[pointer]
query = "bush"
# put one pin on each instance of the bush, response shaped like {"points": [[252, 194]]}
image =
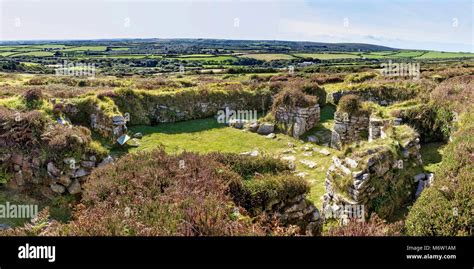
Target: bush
{"points": [[247, 166], [446, 207], [350, 104], [315, 90], [292, 98], [33, 98], [375, 226], [154, 194]]}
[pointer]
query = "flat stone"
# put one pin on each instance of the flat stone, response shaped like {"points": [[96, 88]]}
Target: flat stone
{"points": [[75, 187], [123, 139], [287, 151], [419, 177], [308, 163], [290, 158], [88, 164], [302, 174], [253, 127], [138, 135], [271, 136], [57, 188], [266, 128], [351, 162], [81, 172], [325, 152], [65, 180], [345, 170], [313, 139], [106, 161], [420, 188]]}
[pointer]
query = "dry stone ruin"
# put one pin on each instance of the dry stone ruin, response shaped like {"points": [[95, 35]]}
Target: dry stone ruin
{"points": [[297, 121]]}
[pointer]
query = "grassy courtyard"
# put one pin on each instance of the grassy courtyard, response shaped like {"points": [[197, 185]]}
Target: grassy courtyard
{"points": [[206, 135]]}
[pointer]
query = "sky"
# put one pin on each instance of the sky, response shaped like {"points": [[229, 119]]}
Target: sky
{"points": [[445, 25]]}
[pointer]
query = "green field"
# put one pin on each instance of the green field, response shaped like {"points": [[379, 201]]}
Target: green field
{"points": [[35, 54], [120, 49], [216, 59], [445, 55], [269, 56], [327, 56], [195, 56], [407, 54], [86, 48], [6, 54]]}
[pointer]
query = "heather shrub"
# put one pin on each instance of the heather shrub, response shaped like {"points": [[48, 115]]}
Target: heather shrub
{"points": [[315, 90], [248, 166], [154, 194], [33, 98], [258, 193], [323, 78], [149, 193], [351, 104], [292, 98], [20, 130], [455, 94], [375, 226], [262, 180]]}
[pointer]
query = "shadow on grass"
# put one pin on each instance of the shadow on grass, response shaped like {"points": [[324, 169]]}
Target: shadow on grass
{"points": [[320, 131], [431, 152]]}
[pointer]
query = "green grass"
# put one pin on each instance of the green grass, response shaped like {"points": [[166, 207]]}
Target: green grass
{"points": [[269, 56], [328, 56], [206, 135], [26, 49], [86, 48], [121, 56], [432, 154], [35, 54], [217, 59], [195, 56], [6, 54], [442, 55], [407, 54], [120, 49]]}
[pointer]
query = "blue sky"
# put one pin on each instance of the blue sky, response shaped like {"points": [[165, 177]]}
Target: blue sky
{"points": [[418, 24]]}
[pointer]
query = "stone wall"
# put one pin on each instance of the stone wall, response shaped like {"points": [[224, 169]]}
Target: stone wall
{"points": [[187, 104], [105, 125], [348, 129], [31, 173], [373, 95], [297, 211], [379, 176], [297, 121]]}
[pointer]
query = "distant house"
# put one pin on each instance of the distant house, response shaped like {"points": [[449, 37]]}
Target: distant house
{"points": [[304, 64]]}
